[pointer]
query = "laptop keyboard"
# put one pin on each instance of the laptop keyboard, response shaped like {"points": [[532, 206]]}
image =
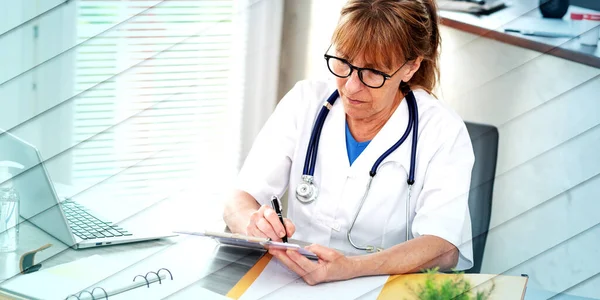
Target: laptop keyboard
{"points": [[86, 226]]}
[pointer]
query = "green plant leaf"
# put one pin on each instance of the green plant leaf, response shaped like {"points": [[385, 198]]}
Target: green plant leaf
{"points": [[456, 287]]}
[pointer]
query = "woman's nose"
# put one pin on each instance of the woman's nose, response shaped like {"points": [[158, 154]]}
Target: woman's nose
{"points": [[353, 83]]}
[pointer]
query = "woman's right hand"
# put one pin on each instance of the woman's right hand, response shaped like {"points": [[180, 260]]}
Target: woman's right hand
{"points": [[265, 223]]}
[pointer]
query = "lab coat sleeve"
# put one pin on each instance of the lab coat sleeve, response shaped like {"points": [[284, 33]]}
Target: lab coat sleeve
{"points": [[266, 169], [442, 206]]}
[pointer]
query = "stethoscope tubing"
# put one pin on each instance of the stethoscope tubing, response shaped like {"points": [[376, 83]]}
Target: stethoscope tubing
{"points": [[413, 154], [313, 144], [411, 116]]}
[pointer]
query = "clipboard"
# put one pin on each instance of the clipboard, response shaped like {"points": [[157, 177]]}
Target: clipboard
{"points": [[252, 242]]}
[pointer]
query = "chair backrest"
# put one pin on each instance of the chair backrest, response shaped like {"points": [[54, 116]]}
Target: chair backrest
{"points": [[485, 147]]}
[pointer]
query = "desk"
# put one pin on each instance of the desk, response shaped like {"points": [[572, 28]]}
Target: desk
{"points": [[196, 263], [492, 26]]}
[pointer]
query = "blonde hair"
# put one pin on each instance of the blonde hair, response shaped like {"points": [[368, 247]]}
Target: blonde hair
{"points": [[390, 32]]}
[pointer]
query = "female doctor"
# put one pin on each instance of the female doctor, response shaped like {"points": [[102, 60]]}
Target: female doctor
{"points": [[346, 165]]}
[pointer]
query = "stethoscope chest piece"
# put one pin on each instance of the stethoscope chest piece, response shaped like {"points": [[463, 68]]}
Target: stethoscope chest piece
{"points": [[306, 191]]}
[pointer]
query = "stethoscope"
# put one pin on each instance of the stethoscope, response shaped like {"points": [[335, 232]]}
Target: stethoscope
{"points": [[307, 191]]}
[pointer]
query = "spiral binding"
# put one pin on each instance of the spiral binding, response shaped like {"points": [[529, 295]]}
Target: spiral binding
{"points": [[145, 277], [157, 273]]}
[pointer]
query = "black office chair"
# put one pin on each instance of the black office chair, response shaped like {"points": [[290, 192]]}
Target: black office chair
{"points": [[485, 146]]}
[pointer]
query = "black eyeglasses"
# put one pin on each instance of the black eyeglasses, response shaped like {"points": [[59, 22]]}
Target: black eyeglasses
{"points": [[368, 76]]}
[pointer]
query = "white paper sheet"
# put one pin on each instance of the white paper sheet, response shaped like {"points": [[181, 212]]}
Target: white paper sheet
{"points": [[150, 293], [63, 280], [278, 282]]}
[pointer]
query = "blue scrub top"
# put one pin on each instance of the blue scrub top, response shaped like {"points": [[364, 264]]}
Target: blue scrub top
{"points": [[353, 147]]}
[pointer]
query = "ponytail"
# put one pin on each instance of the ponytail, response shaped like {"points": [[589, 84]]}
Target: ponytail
{"points": [[428, 74], [435, 38]]}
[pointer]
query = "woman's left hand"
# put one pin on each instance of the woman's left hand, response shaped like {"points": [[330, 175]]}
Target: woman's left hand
{"points": [[332, 265]]}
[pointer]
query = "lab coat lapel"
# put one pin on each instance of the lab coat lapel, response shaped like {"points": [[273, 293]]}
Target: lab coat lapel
{"points": [[334, 159], [336, 134]]}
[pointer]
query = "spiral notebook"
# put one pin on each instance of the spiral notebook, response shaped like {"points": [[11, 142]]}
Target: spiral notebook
{"points": [[78, 280], [139, 281], [145, 287]]}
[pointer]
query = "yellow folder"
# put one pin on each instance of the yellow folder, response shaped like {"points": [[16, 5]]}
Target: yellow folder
{"points": [[504, 287]]}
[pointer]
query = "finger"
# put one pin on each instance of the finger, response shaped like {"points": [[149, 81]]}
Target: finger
{"points": [[266, 228], [254, 231], [285, 259], [273, 218], [276, 252], [251, 224], [302, 261], [311, 270], [254, 217], [251, 228], [289, 227], [323, 252], [261, 210]]}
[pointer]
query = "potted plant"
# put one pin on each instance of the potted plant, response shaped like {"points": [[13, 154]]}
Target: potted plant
{"points": [[454, 287]]}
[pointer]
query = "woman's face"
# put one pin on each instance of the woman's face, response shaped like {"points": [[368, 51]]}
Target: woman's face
{"points": [[364, 103]]}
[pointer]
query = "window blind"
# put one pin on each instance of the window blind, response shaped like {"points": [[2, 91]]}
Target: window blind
{"points": [[159, 106]]}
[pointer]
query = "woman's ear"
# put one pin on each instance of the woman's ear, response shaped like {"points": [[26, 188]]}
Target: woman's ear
{"points": [[413, 67]]}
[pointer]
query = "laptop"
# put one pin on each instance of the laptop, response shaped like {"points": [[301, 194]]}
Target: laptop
{"points": [[67, 221]]}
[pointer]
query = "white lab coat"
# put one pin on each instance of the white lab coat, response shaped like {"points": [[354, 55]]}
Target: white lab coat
{"points": [[442, 175]]}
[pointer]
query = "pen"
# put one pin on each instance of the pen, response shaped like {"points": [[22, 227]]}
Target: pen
{"points": [[275, 204], [540, 33], [480, 2]]}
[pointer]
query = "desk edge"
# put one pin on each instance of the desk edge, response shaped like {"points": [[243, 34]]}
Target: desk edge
{"points": [[580, 57]]}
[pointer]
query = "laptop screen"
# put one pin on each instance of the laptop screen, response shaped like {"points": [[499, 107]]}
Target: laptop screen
{"points": [[38, 200]]}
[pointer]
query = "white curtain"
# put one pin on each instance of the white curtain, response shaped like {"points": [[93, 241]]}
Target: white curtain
{"points": [[264, 19]]}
